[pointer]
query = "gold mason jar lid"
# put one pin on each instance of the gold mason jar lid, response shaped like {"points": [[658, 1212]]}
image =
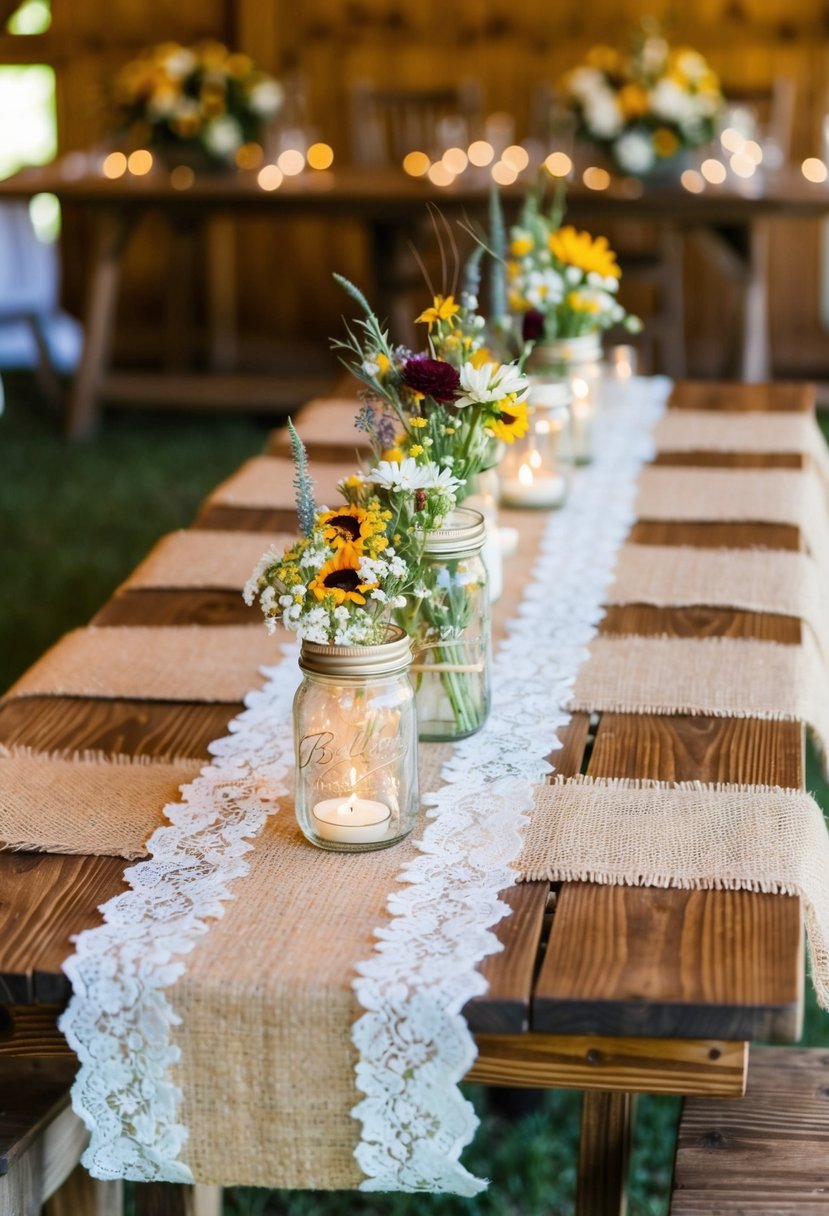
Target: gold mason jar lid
{"points": [[463, 531], [386, 658]]}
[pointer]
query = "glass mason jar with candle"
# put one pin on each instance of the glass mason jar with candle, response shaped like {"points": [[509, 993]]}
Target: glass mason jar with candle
{"points": [[450, 626], [537, 470], [579, 362], [355, 743]]}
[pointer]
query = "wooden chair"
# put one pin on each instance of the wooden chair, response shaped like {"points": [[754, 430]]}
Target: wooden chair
{"points": [[766, 1154], [388, 123]]}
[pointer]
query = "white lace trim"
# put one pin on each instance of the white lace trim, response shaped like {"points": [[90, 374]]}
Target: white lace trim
{"points": [[119, 1022], [413, 1041], [414, 1044]]}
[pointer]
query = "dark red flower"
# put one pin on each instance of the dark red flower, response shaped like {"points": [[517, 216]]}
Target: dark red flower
{"points": [[433, 378], [532, 326]]}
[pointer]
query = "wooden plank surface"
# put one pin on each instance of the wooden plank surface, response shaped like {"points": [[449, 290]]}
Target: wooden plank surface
{"points": [[731, 460], [177, 607], [732, 395], [611, 1064]]}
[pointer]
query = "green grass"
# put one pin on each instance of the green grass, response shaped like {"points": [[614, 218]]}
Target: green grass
{"points": [[75, 520]]}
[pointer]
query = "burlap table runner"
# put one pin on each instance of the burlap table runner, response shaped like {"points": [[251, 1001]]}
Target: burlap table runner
{"points": [[718, 677], [85, 802], [267, 483], [757, 431], [326, 427], [164, 663], [194, 558], [772, 496], [753, 580], [647, 834]]}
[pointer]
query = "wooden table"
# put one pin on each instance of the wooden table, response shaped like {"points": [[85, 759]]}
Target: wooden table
{"points": [[734, 218], [609, 990]]}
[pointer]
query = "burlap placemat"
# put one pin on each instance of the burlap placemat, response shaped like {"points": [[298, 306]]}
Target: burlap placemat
{"points": [[325, 426], [718, 677], [194, 558], [267, 483], [164, 663], [85, 802], [648, 834], [760, 431], [753, 580], [772, 496]]}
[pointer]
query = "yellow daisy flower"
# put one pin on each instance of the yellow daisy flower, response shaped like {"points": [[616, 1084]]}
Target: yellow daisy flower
{"points": [[416, 449], [418, 423], [521, 245], [512, 421], [340, 577], [665, 141], [443, 309], [580, 249]]}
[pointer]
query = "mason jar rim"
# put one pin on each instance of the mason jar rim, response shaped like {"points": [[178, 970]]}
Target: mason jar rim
{"points": [[464, 531], [382, 658]]}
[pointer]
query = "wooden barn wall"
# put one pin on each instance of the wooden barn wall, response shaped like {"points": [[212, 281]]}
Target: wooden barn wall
{"points": [[285, 288]]}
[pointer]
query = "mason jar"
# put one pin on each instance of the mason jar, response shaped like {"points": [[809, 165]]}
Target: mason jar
{"points": [[579, 362], [538, 469], [450, 625], [482, 493], [355, 744]]}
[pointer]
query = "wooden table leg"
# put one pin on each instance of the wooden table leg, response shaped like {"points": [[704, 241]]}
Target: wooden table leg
{"points": [[755, 360], [604, 1147], [114, 228], [164, 1199]]}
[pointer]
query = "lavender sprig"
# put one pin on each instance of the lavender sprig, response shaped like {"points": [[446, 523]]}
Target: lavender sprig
{"points": [[306, 507]]}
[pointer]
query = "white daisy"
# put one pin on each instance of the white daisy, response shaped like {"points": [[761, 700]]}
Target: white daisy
{"points": [[407, 475], [490, 383]]}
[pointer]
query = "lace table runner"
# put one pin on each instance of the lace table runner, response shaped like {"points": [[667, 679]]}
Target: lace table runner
{"points": [[423, 970]]}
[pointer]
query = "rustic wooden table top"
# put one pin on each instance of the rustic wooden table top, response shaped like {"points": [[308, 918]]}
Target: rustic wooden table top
{"points": [[593, 981]]}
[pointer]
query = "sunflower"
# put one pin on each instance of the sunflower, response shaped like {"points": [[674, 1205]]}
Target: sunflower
{"points": [[340, 577], [350, 527], [511, 422], [581, 250]]}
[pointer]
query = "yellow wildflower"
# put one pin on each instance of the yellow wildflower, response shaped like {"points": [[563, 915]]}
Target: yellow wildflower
{"points": [[633, 100], [582, 303], [394, 455], [580, 249], [483, 355], [418, 423], [521, 245], [443, 309], [416, 449], [665, 141], [512, 421]]}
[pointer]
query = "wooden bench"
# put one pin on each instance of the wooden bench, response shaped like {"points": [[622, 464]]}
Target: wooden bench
{"points": [[767, 1153]]}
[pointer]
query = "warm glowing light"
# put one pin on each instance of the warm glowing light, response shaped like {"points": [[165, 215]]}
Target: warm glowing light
{"points": [[115, 165], [270, 177], [182, 177], [581, 388], [140, 162], [692, 181], [439, 175], [249, 156], [320, 156], [455, 160], [595, 178], [503, 174], [742, 165], [516, 157], [291, 162], [753, 151], [732, 139], [535, 459], [525, 475], [559, 164], [416, 163], [814, 170], [713, 171], [480, 153]]}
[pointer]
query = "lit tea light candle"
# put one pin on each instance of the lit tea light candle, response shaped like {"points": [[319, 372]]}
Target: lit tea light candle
{"points": [[533, 487], [582, 416], [351, 820]]}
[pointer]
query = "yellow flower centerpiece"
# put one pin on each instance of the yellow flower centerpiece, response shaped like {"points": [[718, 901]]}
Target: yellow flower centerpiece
{"points": [[202, 97], [645, 107]]}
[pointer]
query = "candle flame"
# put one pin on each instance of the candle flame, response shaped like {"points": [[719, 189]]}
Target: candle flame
{"points": [[535, 459], [580, 387], [525, 475]]}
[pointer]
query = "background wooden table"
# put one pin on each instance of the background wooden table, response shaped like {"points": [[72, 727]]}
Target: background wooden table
{"points": [[610, 990]]}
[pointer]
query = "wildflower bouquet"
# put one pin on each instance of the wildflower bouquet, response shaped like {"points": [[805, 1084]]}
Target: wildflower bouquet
{"points": [[204, 97], [563, 283], [645, 107], [339, 583], [441, 412]]}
